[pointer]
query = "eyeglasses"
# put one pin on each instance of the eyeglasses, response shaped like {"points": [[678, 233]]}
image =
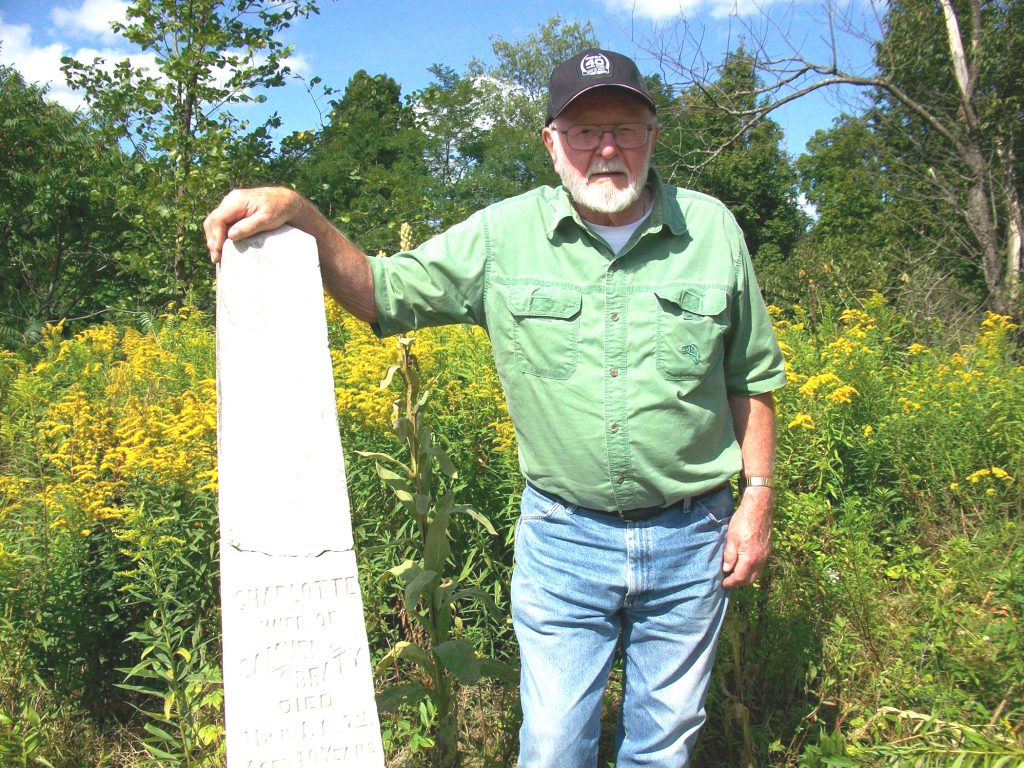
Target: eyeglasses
{"points": [[626, 135]]}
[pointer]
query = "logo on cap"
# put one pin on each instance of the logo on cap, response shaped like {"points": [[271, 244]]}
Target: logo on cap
{"points": [[595, 64]]}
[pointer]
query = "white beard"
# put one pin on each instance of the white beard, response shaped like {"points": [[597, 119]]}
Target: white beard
{"points": [[606, 198]]}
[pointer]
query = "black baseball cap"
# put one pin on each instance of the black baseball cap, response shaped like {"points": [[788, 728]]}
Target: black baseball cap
{"points": [[589, 70]]}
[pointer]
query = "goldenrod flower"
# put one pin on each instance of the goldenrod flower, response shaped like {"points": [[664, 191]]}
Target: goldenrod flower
{"points": [[843, 394], [815, 382], [975, 477], [802, 420]]}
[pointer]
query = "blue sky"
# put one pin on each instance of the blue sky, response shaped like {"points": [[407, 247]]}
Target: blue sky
{"points": [[402, 39]]}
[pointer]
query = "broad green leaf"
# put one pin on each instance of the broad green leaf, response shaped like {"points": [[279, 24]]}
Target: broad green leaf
{"points": [[479, 517], [385, 457], [500, 670], [160, 733], [479, 595], [405, 571], [409, 652], [392, 697], [459, 658], [436, 548], [415, 588], [445, 463]]}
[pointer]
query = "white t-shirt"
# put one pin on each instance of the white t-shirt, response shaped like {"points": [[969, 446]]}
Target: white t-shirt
{"points": [[617, 237]]}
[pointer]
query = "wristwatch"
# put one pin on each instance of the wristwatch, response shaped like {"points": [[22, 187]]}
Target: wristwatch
{"points": [[756, 480]]}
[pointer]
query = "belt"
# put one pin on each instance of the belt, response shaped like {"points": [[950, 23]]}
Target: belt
{"points": [[632, 515]]}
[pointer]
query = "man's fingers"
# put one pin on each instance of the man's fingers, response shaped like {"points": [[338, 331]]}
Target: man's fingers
{"points": [[258, 221], [216, 224], [743, 573], [731, 553]]}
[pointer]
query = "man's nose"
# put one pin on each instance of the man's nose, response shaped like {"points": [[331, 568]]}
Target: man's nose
{"points": [[607, 148]]}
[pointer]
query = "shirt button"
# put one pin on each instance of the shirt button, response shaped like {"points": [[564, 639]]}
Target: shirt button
{"points": [[614, 372], [620, 478], [614, 427], [615, 317]]}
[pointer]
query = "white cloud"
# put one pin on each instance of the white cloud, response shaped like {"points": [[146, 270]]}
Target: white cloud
{"points": [[666, 10], [90, 19], [40, 64], [89, 23], [656, 10]]}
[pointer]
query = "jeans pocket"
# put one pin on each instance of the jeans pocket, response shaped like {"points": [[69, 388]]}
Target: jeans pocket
{"points": [[716, 507], [545, 329], [690, 329], [536, 506]]}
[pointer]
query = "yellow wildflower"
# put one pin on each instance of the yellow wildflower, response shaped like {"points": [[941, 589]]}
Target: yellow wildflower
{"points": [[975, 477], [868, 430], [815, 382], [802, 420], [843, 394], [916, 349]]}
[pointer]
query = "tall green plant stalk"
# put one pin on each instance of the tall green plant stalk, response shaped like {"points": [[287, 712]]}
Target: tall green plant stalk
{"points": [[430, 596]]}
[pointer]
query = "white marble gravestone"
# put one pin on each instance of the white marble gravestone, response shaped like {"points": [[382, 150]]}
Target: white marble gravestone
{"points": [[297, 679]]}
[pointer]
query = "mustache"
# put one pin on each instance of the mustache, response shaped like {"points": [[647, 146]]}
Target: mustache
{"points": [[606, 166]]}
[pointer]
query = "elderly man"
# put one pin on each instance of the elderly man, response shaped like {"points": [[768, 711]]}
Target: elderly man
{"points": [[638, 362]]}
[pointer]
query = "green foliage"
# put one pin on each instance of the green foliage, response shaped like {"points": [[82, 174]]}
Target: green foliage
{"points": [[894, 737], [188, 149], [897, 579], [952, 148], [482, 127], [60, 234], [173, 576], [364, 169], [707, 144]]}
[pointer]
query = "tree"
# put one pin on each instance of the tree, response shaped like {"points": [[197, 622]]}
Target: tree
{"points": [[483, 126], [60, 234], [365, 168], [706, 145], [947, 78], [209, 54]]}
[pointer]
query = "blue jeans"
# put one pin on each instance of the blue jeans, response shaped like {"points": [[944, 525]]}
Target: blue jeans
{"points": [[583, 580]]}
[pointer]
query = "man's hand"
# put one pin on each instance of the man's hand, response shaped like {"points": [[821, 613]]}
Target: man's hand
{"points": [[748, 540], [247, 212]]}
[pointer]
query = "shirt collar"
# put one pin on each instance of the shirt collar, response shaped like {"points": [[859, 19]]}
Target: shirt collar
{"points": [[664, 209]]}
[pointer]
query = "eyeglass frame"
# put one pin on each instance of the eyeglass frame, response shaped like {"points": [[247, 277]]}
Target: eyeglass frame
{"points": [[605, 128]]}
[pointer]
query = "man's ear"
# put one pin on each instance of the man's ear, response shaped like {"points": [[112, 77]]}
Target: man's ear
{"points": [[547, 133]]}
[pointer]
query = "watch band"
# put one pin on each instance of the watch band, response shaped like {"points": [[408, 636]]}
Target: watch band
{"points": [[758, 480]]}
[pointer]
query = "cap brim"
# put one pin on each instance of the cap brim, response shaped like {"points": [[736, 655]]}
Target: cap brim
{"points": [[645, 98]]}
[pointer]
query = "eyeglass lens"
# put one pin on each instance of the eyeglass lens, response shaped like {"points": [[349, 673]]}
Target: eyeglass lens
{"points": [[627, 135]]}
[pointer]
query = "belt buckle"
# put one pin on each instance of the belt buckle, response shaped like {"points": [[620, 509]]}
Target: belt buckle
{"points": [[638, 515]]}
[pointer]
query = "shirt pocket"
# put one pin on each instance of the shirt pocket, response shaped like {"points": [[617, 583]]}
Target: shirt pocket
{"points": [[690, 326], [545, 329]]}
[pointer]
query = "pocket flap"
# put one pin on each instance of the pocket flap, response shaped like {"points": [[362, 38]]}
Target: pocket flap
{"points": [[699, 301], [544, 301]]}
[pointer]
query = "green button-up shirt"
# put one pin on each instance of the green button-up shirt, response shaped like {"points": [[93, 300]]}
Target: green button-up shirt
{"points": [[616, 366]]}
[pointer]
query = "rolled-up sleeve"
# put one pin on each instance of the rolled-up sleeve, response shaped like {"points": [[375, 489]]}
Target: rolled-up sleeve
{"points": [[753, 360], [439, 283]]}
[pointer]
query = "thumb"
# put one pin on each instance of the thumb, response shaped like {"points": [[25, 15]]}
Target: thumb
{"points": [[731, 554]]}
